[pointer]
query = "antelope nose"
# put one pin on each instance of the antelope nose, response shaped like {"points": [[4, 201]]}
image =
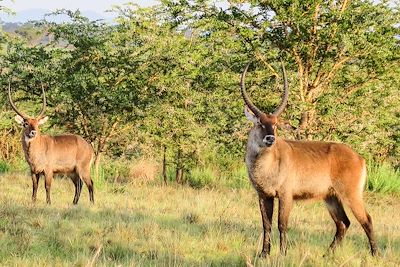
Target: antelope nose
{"points": [[269, 139], [32, 133]]}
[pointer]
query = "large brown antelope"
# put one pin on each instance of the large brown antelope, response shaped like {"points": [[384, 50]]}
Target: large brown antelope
{"points": [[49, 155], [291, 170]]}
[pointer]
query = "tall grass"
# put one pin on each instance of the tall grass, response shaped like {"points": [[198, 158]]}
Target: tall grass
{"points": [[4, 167], [225, 172], [14, 165], [383, 178], [157, 225]]}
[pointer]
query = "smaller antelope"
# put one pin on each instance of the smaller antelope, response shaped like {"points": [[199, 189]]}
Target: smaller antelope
{"points": [[49, 155], [291, 170]]}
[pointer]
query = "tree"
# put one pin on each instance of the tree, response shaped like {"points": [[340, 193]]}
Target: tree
{"points": [[323, 38], [318, 38], [5, 9], [25, 67], [333, 50], [168, 68], [92, 94]]}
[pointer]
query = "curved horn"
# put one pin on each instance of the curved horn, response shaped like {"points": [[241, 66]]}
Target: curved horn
{"points": [[284, 101], [246, 98], [44, 103], [12, 104]]}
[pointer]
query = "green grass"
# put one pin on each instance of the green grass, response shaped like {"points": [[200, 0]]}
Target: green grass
{"points": [[4, 166], [383, 178], [155, 225], [214, 178]]}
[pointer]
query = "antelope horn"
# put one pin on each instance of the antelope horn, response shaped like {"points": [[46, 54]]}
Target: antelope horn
{"points": [[246, 98], [44, 103], [12, 104], [284, 101]]}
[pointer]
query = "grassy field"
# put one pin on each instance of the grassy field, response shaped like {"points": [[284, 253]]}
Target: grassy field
{"points": [[155, 225]]}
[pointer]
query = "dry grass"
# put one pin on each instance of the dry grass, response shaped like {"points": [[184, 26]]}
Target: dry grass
{"points": [[143, 170], [154, 225]]}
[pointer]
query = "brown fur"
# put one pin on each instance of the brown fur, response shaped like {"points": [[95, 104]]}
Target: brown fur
{"points": [[49, 155], [290, 170]]}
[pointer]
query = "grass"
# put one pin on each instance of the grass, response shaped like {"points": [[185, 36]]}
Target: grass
{"points": [[155, 225], [383, 178], [4, 167]]}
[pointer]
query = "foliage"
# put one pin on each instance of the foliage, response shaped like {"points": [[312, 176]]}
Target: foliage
{"points": [[4, 167], [92, 95], [163, 81], [383, 178], [5, 9], [335, 49]]}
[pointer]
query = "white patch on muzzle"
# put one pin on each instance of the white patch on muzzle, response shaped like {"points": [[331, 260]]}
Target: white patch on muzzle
{"points": [[269, 139]]}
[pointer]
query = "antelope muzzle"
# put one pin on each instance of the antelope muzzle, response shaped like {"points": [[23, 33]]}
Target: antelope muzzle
{"points": [[269, 140]]}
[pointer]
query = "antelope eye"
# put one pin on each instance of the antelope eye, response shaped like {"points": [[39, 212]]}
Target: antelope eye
{"points": [[25, 124]]}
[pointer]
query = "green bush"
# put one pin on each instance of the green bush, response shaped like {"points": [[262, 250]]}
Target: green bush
{"points": [[383, 178], [201, 177], [112, 171], [239, 177], [4, 167]]}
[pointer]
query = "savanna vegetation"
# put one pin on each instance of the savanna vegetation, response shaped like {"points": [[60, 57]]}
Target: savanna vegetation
{"points": [[157, 225], [156, 93]]}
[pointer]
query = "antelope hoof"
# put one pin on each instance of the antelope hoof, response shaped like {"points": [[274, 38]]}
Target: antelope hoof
{"points": [[375, 252]]}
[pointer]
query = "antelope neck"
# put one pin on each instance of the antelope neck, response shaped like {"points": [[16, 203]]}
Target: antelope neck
{"points": [[28, 142], [253, 153]]}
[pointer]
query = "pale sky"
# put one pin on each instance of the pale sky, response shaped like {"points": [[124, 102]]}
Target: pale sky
{"points": [[35, 9], [93, 5]]}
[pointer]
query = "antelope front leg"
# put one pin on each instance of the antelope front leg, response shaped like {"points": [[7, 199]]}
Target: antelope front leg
{"points": [[48, 180], [285, 205], [35, 182], [267, 209]]}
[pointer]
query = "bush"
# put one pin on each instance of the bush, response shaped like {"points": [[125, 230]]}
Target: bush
{"points": [[127, 171], [4, 167], [239, 177], [383, 178], [201, 177]]}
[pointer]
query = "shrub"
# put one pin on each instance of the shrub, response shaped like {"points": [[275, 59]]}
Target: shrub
{"points": [[201, 177], [383, 178], [4, 167]]}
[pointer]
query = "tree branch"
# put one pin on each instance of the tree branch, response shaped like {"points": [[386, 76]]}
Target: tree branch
{"points": [[300, 73], [264, 61]]}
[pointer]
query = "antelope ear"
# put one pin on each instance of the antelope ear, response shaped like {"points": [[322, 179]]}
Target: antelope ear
{"points": [[19, 119], [43, 120], [250, 116]]}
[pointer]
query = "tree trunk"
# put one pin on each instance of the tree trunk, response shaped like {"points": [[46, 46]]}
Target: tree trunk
{"points": [[179, 168], [304, 130], [102, 146], [164, 165], [96, 164], [179, 175]]}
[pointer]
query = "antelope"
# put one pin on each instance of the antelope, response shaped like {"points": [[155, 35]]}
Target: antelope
{"points": [[293, 170], [49, 155]]}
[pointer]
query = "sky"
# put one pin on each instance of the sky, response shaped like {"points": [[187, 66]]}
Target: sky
{"points": [[93, 5], [97, 6]]}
